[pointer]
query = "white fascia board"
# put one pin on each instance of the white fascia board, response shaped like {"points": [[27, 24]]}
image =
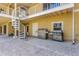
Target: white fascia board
{"points": [[8, 16], [4, 15], [49, 11]]}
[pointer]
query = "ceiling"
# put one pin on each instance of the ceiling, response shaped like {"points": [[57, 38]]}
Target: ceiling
{"points": [[3, 20]]}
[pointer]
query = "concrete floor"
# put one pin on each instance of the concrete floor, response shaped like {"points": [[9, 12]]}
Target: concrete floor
{"points": [[36, 47]]}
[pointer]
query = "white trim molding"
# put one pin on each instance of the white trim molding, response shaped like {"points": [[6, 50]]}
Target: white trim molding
{"points": [[57, 22]]}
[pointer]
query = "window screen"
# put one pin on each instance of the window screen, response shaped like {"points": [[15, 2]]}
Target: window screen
{"points": [[57, 26]]}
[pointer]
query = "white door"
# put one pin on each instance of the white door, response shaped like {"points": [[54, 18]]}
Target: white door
{"points": [[35, 29]]}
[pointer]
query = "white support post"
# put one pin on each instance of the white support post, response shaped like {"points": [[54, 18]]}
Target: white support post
{"points": [[15, 19], [19, 29], [19, 24], [8, 10], [73, 27], [24, 31], [15, 8], [19, 10]]}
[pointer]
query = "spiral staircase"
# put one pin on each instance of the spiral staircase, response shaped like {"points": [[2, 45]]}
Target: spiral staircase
{"points": [[17, 25]]}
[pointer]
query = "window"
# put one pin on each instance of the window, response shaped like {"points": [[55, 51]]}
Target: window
{"points": [[45, 6], [50, 5], [57, 26]]}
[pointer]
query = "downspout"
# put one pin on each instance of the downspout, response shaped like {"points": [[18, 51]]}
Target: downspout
{"points": [[73, 26]]}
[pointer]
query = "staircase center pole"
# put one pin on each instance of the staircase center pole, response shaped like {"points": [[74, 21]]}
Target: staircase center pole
{"points": [[15, 19]]}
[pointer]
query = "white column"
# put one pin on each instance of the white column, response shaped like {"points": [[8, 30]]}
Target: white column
{"points": [[24, 31], [19, 23], [15, 5], [73, 27], [15, 35], [8, 9], [19, 27]]}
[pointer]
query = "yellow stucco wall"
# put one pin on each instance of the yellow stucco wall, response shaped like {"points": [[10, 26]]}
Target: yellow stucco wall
{"points": [[76, 22], [76, 5], [45, 22], [77, 25], [35, 8]]}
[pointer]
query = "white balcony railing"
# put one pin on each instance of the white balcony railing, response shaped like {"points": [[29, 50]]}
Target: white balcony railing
{"points": [[35, 11], [3, 11], [20, 12]]}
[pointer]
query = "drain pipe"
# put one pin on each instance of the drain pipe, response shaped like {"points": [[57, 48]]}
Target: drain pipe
{"points": [[73, 27]]}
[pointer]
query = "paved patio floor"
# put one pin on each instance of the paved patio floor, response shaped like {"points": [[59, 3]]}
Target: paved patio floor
{"points": [[36, 47]]}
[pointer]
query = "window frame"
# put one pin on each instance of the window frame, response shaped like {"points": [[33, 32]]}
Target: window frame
{"points": [[47, 6], [52, 24]]}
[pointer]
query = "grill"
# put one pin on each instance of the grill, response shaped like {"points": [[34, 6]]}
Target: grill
{"points": [[56, 35], [43, 33]]}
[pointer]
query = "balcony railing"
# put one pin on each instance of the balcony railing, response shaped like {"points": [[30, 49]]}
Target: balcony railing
{"points": [[20, 12], [50, 6], [3, 11]]}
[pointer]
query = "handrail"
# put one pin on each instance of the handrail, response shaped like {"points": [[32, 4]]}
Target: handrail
{"points": [[36, 10]]}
